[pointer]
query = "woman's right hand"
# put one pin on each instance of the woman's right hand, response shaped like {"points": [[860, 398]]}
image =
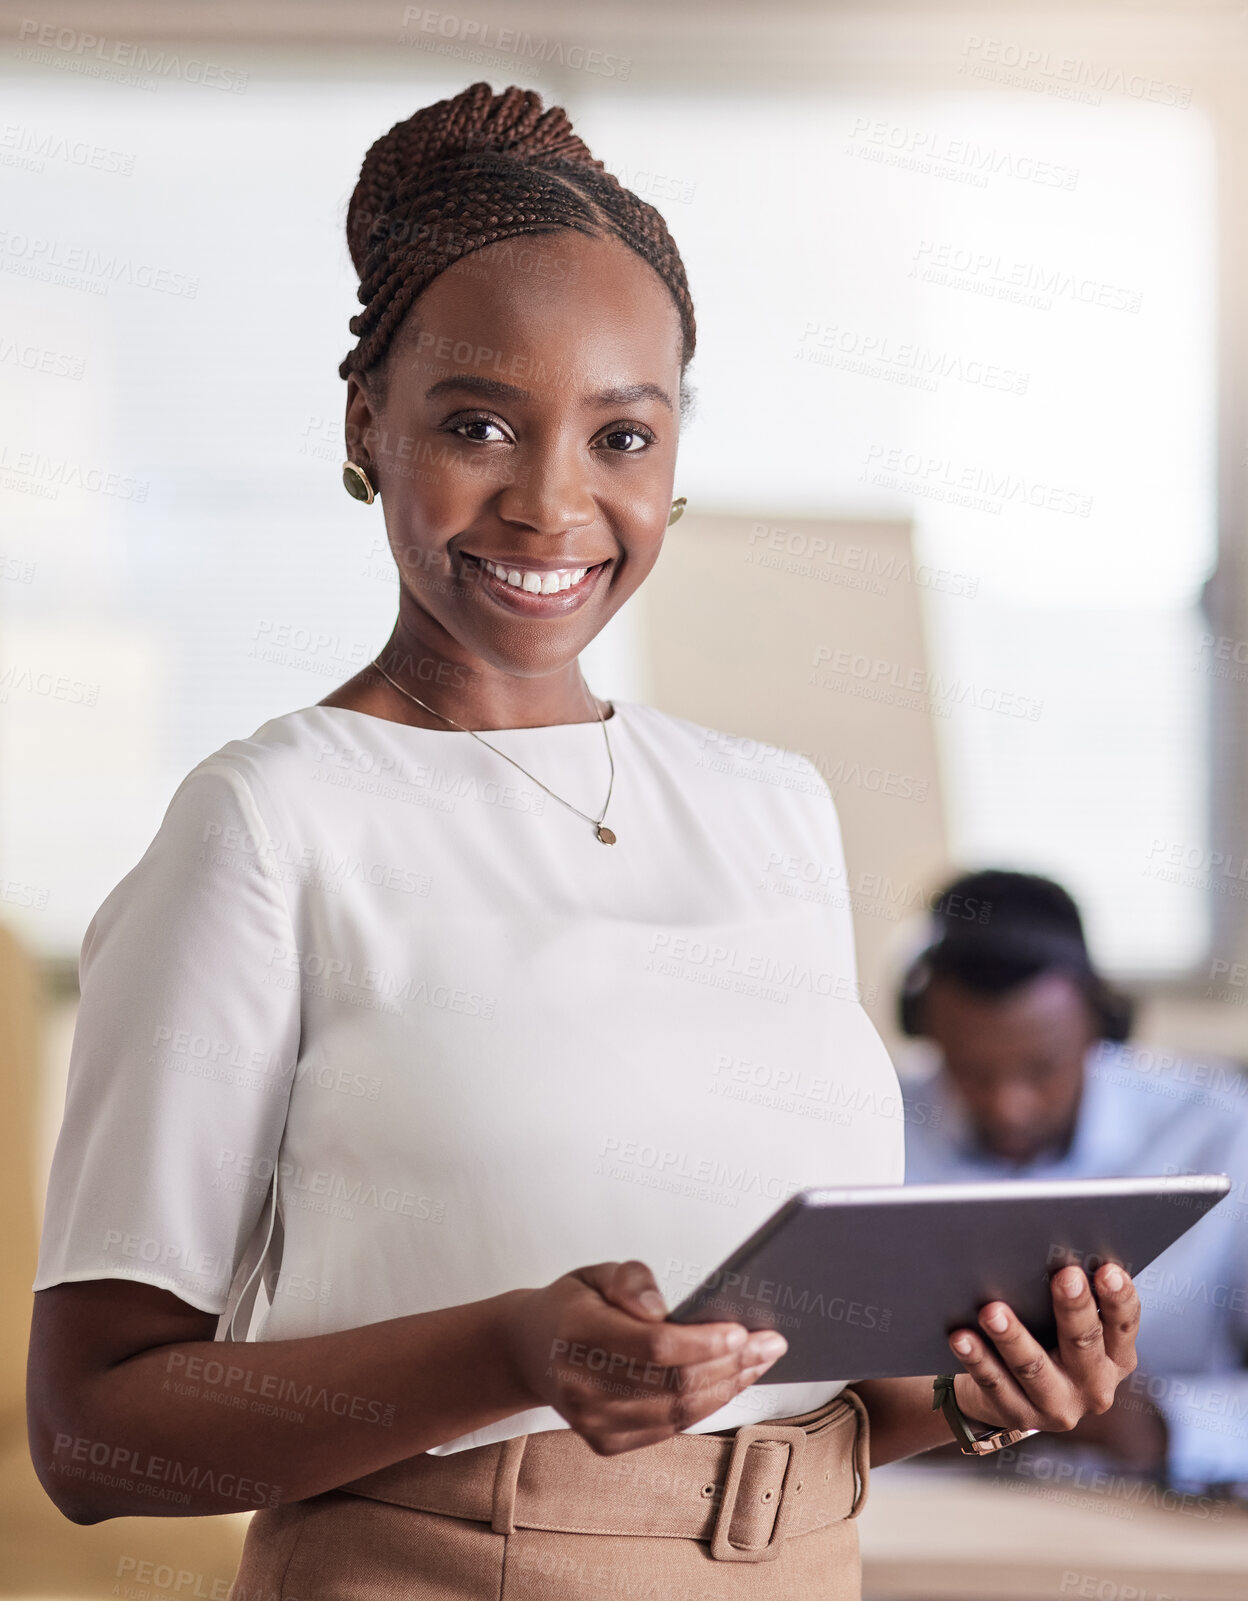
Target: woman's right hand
{"points": [[596, 1345]]}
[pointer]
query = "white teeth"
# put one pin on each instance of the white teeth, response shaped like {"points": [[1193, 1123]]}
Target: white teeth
{"points": [[535, 583]]}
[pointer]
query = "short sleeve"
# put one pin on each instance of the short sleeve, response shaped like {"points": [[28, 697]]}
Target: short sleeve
{"points": [[183, 1055]]}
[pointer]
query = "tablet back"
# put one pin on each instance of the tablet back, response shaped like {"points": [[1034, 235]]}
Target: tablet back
{"points": [[869, 1282]]}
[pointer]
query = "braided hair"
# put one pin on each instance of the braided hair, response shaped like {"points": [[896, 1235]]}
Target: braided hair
{"points": [[469, 171]]}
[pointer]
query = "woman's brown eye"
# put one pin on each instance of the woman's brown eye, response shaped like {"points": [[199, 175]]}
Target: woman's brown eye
{"points": [[625, 434], [479, 438]]}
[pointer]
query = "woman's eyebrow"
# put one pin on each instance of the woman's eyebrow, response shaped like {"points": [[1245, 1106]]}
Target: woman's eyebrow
{"points": [[497, 390], [627, 392], [494, 387]]}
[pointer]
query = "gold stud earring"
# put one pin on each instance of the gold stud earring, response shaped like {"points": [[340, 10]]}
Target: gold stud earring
{"points": [[677, 511], [356, 482]]}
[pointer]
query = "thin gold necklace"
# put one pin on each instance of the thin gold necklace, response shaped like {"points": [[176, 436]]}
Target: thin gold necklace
{"points": [[606, 835]]}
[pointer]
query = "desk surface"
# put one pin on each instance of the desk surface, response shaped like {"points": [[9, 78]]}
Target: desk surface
{"points": [[931, 1534]]}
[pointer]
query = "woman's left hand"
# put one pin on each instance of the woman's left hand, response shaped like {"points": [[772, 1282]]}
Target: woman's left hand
{"points": [[1012, 1382]]}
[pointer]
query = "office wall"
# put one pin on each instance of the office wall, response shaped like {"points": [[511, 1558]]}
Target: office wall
{"points": [[808, 634]]}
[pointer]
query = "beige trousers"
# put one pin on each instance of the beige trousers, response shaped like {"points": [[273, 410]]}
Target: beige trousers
{"points": [[760, 1513]]}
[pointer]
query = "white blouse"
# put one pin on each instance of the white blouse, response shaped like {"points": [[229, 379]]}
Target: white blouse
{"points": [[479, 1047]]}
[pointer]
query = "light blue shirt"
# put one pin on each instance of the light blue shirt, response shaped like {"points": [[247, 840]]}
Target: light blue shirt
{"points": [[1147, 1112]]}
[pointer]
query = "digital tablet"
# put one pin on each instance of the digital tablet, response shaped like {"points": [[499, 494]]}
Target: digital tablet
{"points": [[868, 1282]]}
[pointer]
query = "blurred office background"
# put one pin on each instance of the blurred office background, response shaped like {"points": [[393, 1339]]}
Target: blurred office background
{"points": [[966, 497]]}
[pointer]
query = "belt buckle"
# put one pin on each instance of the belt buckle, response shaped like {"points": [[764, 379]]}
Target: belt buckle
{"points": [[753, 1434]]}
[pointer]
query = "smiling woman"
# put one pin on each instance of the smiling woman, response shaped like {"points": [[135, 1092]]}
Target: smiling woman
{"points": [[546, 403], [376, 1051], [530, 485]]}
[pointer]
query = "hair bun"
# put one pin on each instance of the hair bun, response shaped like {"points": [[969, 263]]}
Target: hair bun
{"points": [[474, 121]]}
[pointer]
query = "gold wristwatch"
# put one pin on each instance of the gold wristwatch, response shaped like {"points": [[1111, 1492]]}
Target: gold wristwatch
{"points": [[972, 1444]]}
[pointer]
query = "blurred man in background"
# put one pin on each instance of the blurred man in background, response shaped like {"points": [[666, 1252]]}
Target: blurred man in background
{"points": [[1036, 1080]]}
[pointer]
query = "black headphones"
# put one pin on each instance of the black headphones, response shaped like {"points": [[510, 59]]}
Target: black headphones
{"points": [[995, 930]]}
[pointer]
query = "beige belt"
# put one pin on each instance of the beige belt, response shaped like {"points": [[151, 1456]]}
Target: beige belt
{"points": [[745, 1492]]}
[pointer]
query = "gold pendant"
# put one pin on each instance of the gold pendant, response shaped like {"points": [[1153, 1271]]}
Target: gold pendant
{"points": [[605, 834]]}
